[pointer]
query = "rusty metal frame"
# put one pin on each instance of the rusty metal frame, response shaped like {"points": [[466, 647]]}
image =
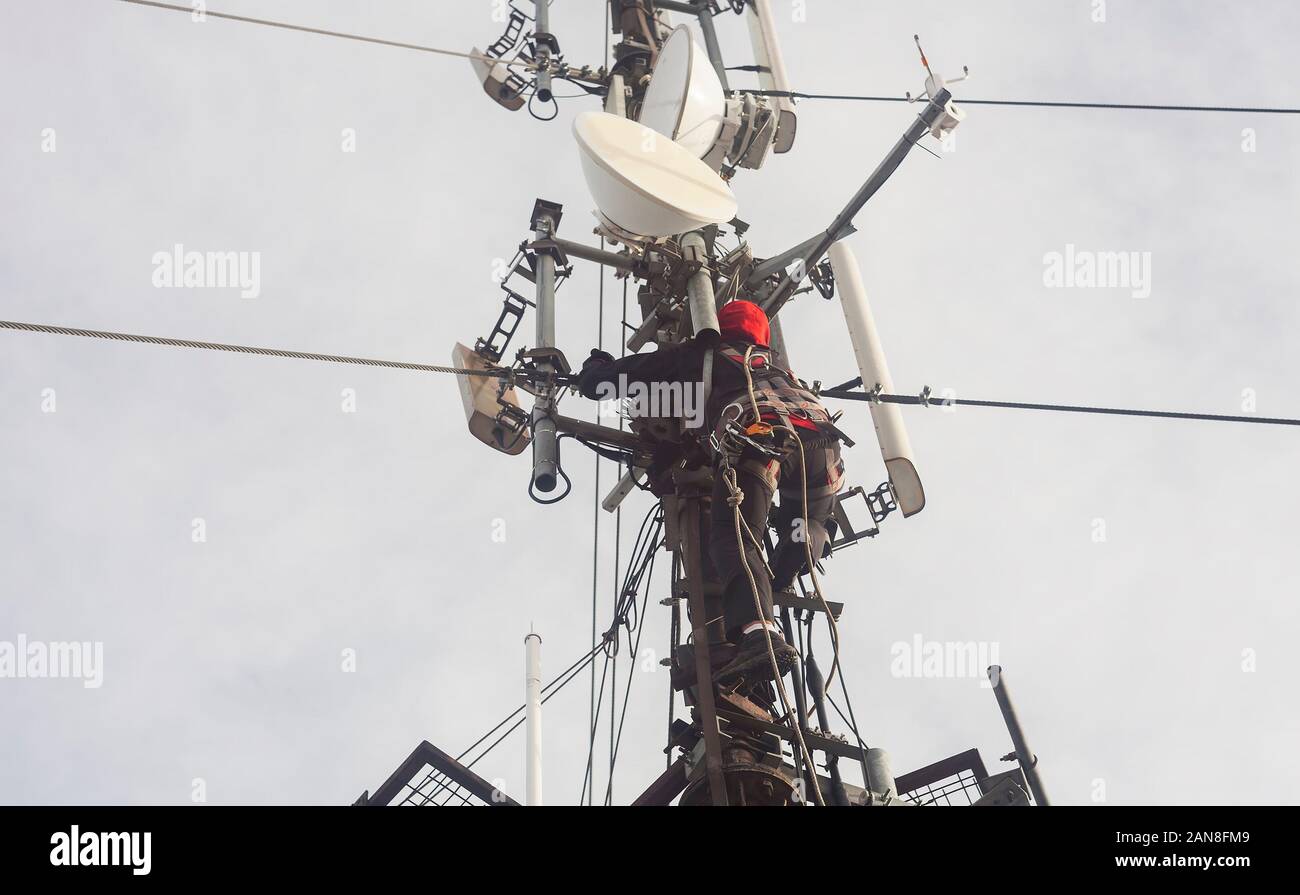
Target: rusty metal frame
{"points": [[666, 787]]}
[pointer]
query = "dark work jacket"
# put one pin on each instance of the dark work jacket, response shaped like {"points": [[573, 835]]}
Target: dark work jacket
{"points": [[682, 362]]}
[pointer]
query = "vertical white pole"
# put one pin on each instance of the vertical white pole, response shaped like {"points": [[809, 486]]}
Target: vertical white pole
{"points": [[533, 716]]}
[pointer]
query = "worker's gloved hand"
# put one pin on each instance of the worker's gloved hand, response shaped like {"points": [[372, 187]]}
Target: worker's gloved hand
{"points": [[593, 372], [597, 358]]}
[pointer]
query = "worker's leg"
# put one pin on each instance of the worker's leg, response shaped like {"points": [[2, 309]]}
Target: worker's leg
{"points": [[750, 627], [757, 486], [825, 479]]}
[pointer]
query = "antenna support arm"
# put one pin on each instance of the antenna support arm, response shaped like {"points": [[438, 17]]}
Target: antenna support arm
{"points": [[933, 111]]}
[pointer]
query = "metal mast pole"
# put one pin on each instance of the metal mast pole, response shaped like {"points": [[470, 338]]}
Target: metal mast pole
{"points": [[699, 286], [690, 548], [546, 458], [1028, 761], [703, 11], [542, 34], [533, 717], [545, 450], [705, 14]]}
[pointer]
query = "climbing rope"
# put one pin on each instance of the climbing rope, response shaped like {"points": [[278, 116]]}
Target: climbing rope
{"points": [[794, 722]]}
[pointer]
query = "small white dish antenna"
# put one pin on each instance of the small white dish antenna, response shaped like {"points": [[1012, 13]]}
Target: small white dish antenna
{"points": [[645, 183], [685, 100]]}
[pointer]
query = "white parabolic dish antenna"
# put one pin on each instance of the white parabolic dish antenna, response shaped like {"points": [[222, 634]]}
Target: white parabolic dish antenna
{"points": [[685, 101], [645, 183]]}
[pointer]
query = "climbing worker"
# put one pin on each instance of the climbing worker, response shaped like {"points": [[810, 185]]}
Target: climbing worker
{"points": [[767, 434]]}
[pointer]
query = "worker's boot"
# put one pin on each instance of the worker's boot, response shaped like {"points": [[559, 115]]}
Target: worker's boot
{"points": [[753, 661]]}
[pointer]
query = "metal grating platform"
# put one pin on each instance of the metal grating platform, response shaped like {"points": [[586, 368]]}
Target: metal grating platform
{"points": [[431, 777]]}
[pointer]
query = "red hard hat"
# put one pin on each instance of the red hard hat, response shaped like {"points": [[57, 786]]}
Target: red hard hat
{"points": [[745, 321]]}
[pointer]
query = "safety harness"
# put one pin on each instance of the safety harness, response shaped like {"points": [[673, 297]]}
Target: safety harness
{"points": [[777, 393]]}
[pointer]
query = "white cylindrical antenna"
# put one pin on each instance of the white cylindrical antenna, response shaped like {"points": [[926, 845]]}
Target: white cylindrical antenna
{"points": [[772, 75], [616, 100], [880, 773], [895, 446], [533, 717]]}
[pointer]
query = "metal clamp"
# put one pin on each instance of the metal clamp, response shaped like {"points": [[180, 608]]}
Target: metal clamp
{"points": [[881, 502], [823, 277]]}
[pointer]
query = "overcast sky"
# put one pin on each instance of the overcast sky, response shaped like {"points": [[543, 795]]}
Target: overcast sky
{"points": [[1130, 653]]}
